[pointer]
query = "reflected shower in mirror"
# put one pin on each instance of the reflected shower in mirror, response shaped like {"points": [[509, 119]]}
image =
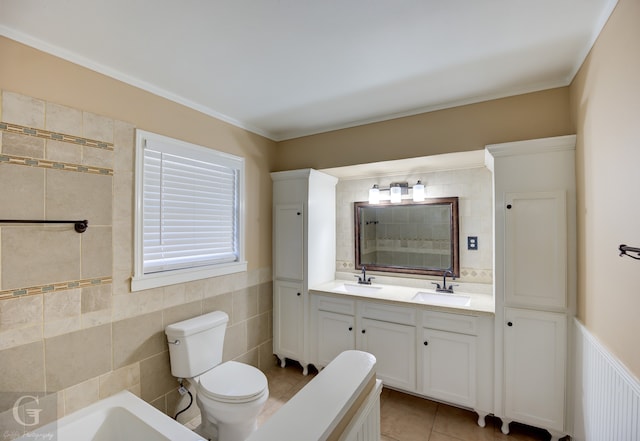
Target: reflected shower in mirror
{"points": [[410, 237]]}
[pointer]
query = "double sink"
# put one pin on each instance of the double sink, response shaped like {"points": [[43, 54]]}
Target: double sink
{"points": [[432, 298]]}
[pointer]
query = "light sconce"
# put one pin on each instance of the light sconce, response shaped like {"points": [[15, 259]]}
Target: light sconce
{"points": [[418, 192], [374, 194], [396, 191], [396, 194]]}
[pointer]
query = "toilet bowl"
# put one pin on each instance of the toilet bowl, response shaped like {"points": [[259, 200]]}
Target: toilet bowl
{"points": [[230, 395]]}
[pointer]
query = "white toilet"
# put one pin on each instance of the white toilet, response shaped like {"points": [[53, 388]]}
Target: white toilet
{"points": [[230, 395]]}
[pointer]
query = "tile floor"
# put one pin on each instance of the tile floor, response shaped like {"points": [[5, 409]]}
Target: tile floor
{"points": [[403, 417]]}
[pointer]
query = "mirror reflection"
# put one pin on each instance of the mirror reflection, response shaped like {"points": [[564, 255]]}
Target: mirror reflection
{"points": [[411, 237]]}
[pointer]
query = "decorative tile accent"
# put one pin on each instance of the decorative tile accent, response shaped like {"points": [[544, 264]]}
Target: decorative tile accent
{"points": [[60, 286], [46, 134], [45, 163]]}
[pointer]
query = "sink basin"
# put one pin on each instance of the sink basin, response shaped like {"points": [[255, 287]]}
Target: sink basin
{"points": [[442, 299], [352, 288]]}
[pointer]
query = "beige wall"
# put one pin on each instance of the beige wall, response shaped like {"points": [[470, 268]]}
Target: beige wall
{"points": [[69, 325], [464, 128], [605, 109]]}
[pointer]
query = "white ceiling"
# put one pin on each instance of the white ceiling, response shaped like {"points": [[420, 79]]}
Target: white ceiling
{"points": [[287, 68]]}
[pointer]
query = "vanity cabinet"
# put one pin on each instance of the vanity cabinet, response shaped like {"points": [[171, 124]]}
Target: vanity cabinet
{"points": [[303, 224], [448, 351], [535, 279], [393, 345], [440, 355], [388, 332]]}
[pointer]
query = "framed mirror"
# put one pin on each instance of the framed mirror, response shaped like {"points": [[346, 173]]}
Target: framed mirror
{"points": [[409, 237]]}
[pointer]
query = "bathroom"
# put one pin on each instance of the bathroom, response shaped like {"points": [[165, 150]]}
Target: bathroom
{"points": [[95, 320]]}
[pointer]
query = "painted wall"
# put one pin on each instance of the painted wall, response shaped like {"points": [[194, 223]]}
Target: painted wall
{"points": [[459, 129], [605, 110], [70, 328]]}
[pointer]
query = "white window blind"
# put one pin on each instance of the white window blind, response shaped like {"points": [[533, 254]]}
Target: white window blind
{"points": [[190, 207]]}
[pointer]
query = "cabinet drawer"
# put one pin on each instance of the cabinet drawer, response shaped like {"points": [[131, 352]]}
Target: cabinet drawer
{"points": [[388, 313], [334, 304], [463, 324]]}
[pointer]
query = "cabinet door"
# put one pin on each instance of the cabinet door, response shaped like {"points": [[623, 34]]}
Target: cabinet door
{"points": [[288, 315], [535, 359], [394, 347], [449, 366], [288, 242], [536, 249], [336, 333]]}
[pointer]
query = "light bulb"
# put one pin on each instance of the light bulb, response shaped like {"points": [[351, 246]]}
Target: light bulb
{"points": [[396, 194], [418, 192], [374, 195]]}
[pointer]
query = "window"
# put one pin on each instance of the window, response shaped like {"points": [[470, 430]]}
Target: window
{"points": [[189, 212]]}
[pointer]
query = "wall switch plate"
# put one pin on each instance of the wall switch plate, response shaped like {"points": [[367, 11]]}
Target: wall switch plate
{"points": [[472, 242]]}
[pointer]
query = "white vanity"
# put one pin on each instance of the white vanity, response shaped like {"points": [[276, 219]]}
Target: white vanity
{"points": [[436, 350]]}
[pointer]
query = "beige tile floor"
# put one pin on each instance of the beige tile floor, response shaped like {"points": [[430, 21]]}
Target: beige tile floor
{"points": [[403, 417]]}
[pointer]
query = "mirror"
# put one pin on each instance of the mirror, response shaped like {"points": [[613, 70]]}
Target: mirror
{"points": [[410, 237]]}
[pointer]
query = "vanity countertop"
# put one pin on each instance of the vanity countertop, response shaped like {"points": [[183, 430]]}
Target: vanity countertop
{"points": [[479, 303]]}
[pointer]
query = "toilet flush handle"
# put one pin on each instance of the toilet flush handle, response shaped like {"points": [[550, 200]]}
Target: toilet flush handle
{"points": [[175, 342]]}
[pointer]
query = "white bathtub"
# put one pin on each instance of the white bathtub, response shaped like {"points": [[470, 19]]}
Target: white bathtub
{"points": [[121, 417]]}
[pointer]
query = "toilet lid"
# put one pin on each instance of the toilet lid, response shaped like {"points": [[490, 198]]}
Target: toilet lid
{"points": [[233, 381]]}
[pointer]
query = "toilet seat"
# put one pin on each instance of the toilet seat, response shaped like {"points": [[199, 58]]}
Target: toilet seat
{"points": [[233, 382]]}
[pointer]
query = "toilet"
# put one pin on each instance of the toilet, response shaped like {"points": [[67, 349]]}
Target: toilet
{"points": [[230, 395]]}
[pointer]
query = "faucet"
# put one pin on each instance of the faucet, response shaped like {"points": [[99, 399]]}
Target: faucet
{"points": [[444, 287], [362, 280]]}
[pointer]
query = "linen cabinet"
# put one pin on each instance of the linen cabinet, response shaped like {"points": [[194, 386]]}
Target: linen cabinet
{"points": [[535, 279], [304, 239]]}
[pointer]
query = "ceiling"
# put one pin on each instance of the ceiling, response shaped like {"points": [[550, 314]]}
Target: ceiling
{"points": [[289, 68]]}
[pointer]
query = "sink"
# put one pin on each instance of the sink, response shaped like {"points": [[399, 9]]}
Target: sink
{"points": [[442, 299], [352, 288]]}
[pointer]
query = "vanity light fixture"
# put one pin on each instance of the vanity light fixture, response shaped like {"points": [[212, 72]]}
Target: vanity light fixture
{"points": [[418, 192], [396, 190], [396, 194], [374, 194]]}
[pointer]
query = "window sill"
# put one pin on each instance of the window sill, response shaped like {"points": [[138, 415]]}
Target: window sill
{"points": [[156, 280]]}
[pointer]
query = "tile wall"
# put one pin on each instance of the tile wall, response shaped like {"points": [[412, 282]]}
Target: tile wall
{"points": [[472, 186], [71, 331]]}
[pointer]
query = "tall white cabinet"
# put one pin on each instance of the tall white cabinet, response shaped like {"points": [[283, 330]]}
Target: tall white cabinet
{"points": [[304, 237], [535, 279]]}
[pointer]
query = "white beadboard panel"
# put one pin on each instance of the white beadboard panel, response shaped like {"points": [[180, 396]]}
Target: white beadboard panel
{"points": [[607, 394]]}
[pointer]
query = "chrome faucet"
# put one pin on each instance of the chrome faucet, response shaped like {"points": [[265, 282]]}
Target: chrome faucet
{"points": [[444, 287], [362, 280]]}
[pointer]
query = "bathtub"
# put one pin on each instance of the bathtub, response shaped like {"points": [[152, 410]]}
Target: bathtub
{"points": [[121, 417]]}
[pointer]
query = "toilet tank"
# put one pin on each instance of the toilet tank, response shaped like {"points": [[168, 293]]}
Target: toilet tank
{"points": [[195, 345]]}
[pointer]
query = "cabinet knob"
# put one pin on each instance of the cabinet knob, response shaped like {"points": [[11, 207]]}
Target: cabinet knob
{"points": [[508, 206], [426, 343], [350, 328], [364, 330], [509, 323], [298, 294], [298, 213]]}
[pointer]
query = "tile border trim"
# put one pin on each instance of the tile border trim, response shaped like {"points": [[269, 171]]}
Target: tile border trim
{"points": [[54, 287], [55, 136], [54, 165]]}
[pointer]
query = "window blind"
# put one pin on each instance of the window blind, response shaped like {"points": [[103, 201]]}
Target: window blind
{"points": [[190, 209]]}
